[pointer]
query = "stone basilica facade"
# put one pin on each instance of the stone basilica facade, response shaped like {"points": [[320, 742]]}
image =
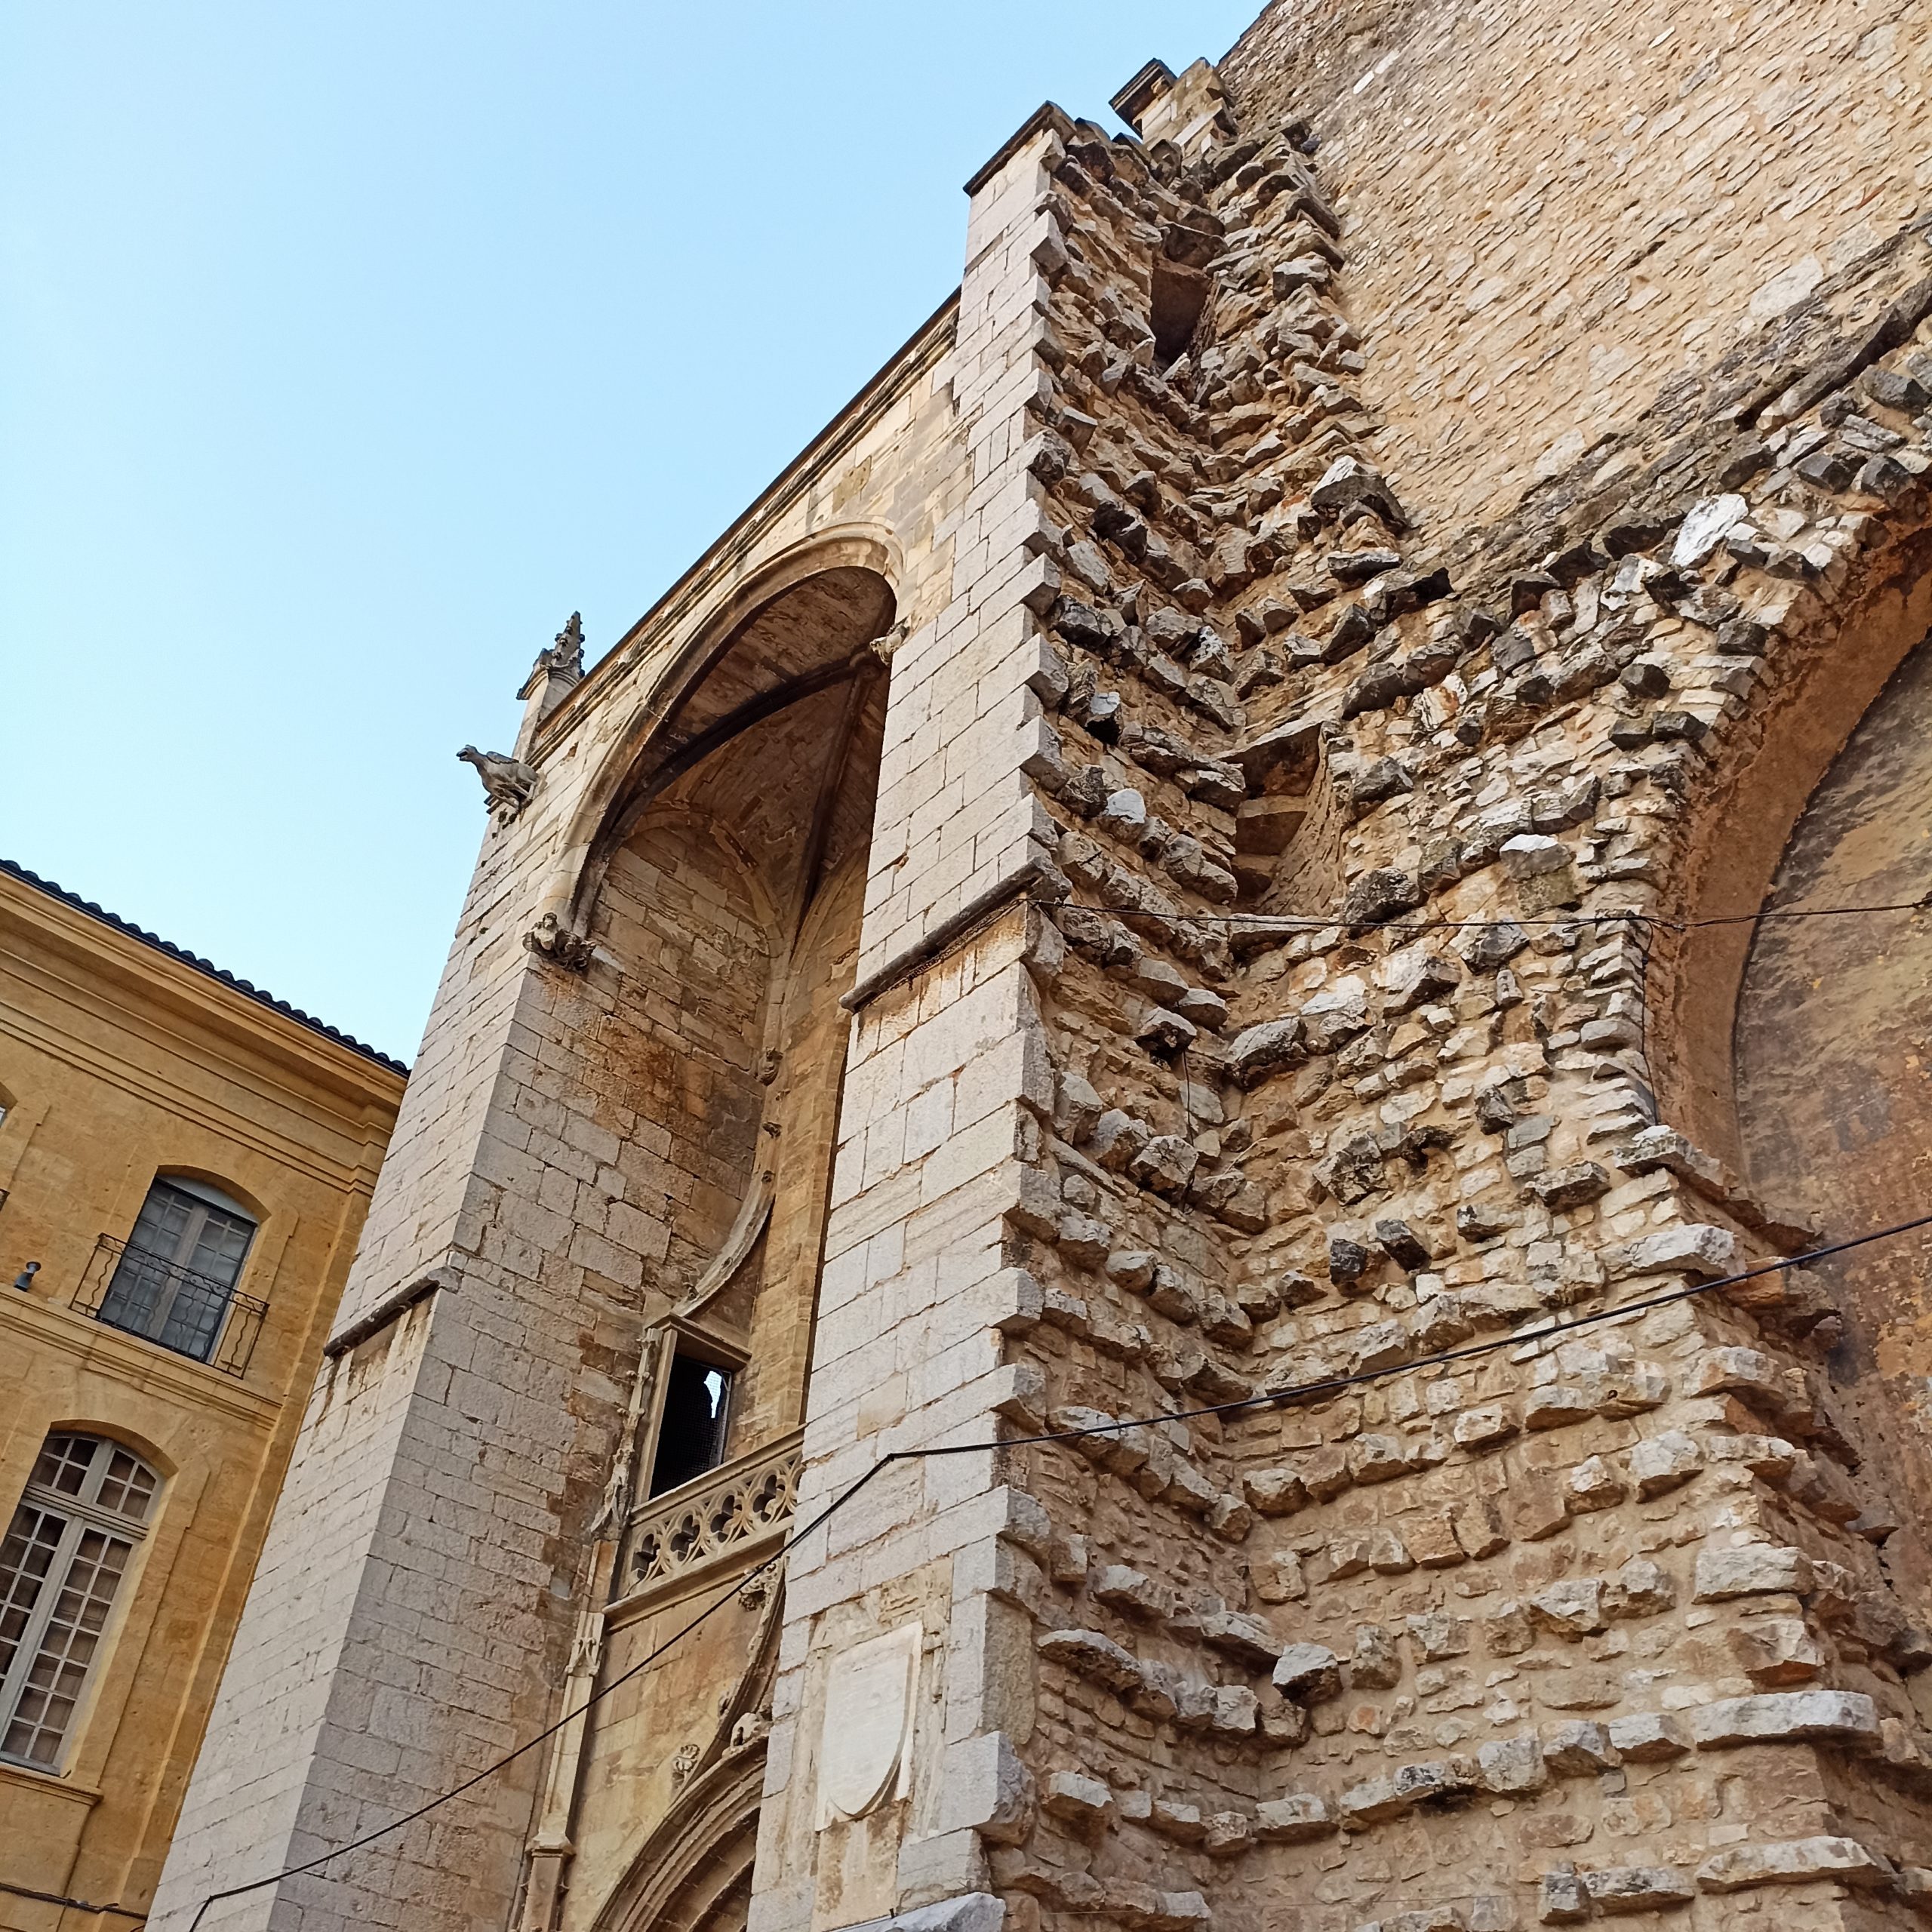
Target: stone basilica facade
{"points": [[1195, 863]]}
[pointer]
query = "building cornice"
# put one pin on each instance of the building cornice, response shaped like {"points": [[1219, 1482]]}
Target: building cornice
{"points": [[240, 1005]]}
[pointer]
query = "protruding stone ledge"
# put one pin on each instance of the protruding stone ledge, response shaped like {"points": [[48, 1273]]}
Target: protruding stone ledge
{"points": [[392, 1308], [971, 1912]]}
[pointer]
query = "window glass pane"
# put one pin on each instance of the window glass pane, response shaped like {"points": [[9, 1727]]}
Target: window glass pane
{"points": [[183, 1259], [136, 1296], [193, 1317], [64, 1462], [59, 1573], [220, 1243], [53, 1681], [31, 1539], [161, 1229], [128, 1486], [690, 1439]]}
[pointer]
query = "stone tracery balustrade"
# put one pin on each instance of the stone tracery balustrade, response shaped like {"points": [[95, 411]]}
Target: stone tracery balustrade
{"points": [[727, 1518]]}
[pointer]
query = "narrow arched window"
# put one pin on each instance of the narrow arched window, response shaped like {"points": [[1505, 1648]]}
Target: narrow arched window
{"points": [[85, 1506], [176, 1274]]}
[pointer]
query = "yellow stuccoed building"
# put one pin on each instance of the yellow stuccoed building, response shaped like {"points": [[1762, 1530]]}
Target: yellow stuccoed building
{"points": [[185, 1163]]}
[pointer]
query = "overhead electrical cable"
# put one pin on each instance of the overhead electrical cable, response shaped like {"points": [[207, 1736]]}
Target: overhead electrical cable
{"points": [[1266, 924], [1316, 1390]]}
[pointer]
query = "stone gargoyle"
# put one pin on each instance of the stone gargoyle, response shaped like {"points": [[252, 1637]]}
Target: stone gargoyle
{"points": [[507, 782]]}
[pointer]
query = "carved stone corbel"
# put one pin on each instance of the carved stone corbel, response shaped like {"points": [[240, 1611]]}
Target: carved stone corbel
{"points": [[883, 646], [557, 943]]}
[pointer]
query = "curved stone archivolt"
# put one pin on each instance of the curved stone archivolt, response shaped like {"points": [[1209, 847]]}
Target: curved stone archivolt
{"points": [[809, 635], [694, 1874], [1843, 1127]]}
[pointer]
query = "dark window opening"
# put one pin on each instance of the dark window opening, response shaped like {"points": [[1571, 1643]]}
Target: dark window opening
{"points": [[1179, 300], [697, 1409]]}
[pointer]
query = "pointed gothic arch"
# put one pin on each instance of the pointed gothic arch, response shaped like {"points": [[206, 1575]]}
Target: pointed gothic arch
{"points": [[719, 909], [1794, 1050], [1766, 764], [693, 1873], [835, 593]]}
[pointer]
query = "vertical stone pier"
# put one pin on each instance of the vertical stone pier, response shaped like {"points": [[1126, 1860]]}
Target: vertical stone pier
{"points": [[916, 1292]]}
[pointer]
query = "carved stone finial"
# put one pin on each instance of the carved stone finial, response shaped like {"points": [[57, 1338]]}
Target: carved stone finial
{"points": [[507, 782], [566, 651], [559, 667]]}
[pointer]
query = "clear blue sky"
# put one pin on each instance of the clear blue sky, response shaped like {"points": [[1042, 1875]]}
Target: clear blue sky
{"points": [[347, 348]]}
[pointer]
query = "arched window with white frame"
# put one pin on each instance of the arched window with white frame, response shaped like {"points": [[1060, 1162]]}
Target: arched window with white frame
{"points": [[68, 1547]]}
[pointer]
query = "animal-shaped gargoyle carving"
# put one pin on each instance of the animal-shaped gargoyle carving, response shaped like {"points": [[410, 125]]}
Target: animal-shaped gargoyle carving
{"points": [[507, 782]]}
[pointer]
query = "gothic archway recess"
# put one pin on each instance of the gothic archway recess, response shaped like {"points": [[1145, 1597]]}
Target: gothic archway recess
{"points": [[720, 908], [812, 632], [1757, 1029], [725, 886], [1833, 1050], [693, 1873], [1829, 670]]}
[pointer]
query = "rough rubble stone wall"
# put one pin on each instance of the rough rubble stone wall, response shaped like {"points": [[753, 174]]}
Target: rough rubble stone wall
{"points": [[1548, 213], [1594, 1624]]}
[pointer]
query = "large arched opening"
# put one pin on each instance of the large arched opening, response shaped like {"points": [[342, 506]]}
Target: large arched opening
{"points": [[725, 888], [733, 903], [1769, 763], [1832, 1055], [717, 912], [1791, 1049]]}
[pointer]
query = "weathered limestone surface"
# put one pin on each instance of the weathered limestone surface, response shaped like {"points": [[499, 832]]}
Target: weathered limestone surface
{"points": [[1324, 700], [414, 1609], [1547, 222]]}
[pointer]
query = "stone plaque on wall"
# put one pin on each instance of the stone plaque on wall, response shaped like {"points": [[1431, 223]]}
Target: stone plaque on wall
{"points": [[864, 1757]]}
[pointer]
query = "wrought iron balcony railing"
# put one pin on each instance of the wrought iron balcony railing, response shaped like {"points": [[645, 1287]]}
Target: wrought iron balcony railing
{"points": [[727, 1516], [194, 1314]]}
